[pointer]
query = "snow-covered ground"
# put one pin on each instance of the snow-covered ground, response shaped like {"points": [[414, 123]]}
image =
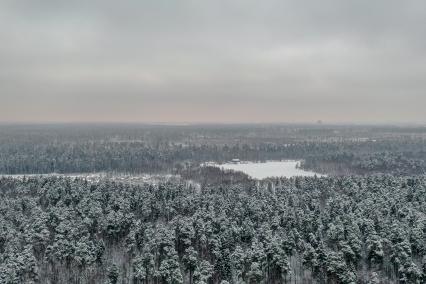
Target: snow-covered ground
{"points": [[263, 170], [96, 177]]}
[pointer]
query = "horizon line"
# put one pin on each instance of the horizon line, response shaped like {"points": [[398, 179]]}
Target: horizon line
{"points": [[210, 123]]}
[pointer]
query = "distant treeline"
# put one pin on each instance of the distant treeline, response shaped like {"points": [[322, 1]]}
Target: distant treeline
{"points": [[72, 149], [302, 230], [344, 162]]}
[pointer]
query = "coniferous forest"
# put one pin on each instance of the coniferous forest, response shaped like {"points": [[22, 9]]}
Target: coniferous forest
{"points": [[365, 222], [212, 142]]}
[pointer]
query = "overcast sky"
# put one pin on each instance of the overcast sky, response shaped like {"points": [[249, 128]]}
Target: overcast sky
{"points": [[213, 61]]}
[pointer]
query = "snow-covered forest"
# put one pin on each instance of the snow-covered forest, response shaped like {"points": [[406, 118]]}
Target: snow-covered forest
{"points": [[152, 149], [212, 142], [363, 223], [327, 230]]}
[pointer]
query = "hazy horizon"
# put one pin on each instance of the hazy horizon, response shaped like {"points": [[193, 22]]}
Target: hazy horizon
{"points": [[211, 124], [230, 62]]}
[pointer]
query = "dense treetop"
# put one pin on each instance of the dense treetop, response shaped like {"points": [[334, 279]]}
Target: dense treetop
{"points": [[326, 230]]}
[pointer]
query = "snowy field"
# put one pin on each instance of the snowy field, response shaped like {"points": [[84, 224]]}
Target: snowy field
{"points": [[267, 169]]}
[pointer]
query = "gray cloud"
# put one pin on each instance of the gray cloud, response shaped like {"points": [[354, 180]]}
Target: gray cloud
{"points": [[216, 61]]}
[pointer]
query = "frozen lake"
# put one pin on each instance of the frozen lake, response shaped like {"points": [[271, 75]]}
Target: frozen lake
{"points": [[268, 169]]}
